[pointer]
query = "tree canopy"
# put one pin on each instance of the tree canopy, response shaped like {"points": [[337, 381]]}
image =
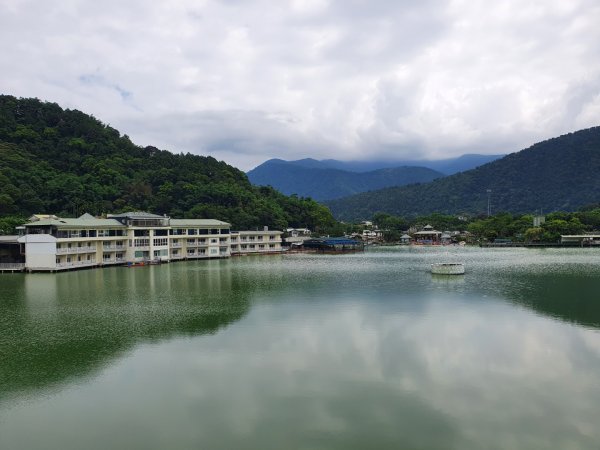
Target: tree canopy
{"points": [[65, 162]]}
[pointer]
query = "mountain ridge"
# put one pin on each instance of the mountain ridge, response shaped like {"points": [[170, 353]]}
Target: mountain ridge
{"points": [[447, 166], [561, 173], [328, 183]]}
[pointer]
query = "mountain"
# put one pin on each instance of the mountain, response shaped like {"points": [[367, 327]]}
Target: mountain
{"points": [[66, 162], [445, 166], [322, 184], [562, 173]]}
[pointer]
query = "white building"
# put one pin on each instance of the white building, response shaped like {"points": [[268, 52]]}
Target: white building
{"points": [[53, 244], [248, 242]]}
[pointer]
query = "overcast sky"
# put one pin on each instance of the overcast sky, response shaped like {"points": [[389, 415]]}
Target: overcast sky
{"points": [[245, 81]]}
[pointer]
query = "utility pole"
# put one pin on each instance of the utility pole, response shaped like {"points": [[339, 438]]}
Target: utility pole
{"points": [[489, 194]]}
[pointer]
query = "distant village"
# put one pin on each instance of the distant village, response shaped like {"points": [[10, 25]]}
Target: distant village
{"points": [[48, 243]]}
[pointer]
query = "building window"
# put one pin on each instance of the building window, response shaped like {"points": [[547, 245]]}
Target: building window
{"points": [[213, 241], [192, 231], [141, 242], [160, 241]]}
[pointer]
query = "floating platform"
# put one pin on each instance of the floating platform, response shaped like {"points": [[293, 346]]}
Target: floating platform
{"points": [[448, 269]]}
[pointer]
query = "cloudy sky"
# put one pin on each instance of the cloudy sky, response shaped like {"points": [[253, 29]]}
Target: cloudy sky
{"points": [[245, 81]]}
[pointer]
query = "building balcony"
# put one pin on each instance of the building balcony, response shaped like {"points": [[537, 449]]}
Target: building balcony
{"points": [[68, 265], [112, 248], [75, 250]]}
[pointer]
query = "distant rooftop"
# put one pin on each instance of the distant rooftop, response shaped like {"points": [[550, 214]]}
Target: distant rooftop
{"points": [[60, 222], [137, 215], [197, 222]]}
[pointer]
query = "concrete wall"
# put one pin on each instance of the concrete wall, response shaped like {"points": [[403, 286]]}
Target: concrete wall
{"points": [[40, 251]]}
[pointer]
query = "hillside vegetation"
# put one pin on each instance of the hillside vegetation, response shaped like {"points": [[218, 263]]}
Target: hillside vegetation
{"points": [[560, 174], [326, 183], [66, 162]]}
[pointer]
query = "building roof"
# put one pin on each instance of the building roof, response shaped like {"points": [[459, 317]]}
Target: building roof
{"points": [[36, 217], [197, 222], [77, 223], [258, 232], [137, 215], [9, 239]]}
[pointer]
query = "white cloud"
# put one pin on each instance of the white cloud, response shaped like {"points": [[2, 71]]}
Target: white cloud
{"points": [[246, 81]]}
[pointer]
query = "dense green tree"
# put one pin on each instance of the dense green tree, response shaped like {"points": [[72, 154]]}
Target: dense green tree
{"points": [[66, 162]]}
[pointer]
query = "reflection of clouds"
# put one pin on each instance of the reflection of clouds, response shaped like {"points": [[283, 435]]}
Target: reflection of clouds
{"points": [[348, 372], [487, 370]]}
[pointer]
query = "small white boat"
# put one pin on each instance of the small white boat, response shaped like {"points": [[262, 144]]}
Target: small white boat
{"points": [[448, 269]]}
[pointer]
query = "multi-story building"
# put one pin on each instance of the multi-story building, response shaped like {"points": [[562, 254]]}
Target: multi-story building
{"points": [[248, 242], [52, 244]]}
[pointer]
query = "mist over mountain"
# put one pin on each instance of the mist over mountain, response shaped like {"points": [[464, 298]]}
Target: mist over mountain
{"points": [[447, 166]]}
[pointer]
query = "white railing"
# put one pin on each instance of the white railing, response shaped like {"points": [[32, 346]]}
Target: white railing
{"points": [[76, 264], [113, 248], [12, 266], [75, 250]]}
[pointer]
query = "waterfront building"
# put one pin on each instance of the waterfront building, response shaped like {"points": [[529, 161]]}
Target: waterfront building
{"points": [[588, 239], [51, 243], [249, 242], [427, 236]]}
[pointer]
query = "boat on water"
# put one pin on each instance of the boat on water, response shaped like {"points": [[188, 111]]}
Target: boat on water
{"points": [[448, 269], [135, 264]]}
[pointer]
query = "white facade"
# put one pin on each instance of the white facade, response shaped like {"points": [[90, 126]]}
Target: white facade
{"points": [[254, 242], [40, 250]]}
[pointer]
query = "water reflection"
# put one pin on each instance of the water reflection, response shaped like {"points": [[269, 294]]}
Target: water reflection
{"points": [[72, 324], [360, 351]]}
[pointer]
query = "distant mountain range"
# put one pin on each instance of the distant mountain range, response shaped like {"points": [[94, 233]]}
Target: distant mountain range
{"points": [[562, 173], [330, 179]]}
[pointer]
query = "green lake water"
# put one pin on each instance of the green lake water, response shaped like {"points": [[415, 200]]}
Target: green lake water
{"points": [[363, 351]]}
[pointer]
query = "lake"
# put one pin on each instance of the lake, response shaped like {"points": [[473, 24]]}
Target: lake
{"points": [[307, 352]]}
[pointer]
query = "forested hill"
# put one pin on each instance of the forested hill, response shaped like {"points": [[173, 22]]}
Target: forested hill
{"points": [[562, 173], [327, 183], [67, 162]]}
